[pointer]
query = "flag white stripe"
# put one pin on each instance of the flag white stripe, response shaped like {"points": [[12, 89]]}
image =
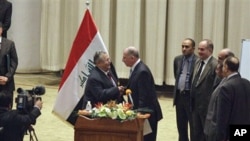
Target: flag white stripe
{"points": [[71, 91]]}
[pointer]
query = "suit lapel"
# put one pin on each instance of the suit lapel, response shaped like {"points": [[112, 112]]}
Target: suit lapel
{"points": [[179, 64], [180, 61], [104, 76], [3, 48], [192, 64], [196, 68], [133, 73], [205, 71]]}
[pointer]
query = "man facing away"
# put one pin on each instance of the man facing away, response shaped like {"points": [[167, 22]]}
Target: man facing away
{"points": [[223, 54], [233, 100], [211, 118], [15, 123], [183, 70]]}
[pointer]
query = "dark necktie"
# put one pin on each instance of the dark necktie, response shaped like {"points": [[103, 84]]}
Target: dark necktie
{"points": [[130, 72], [183, 75], [109, 75], [197, 76], [110, 78]]}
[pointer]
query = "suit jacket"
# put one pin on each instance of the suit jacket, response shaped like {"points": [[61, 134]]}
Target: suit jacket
{"points": [[99, 88], [177, 72], [8, 66], [15, 123], [203, 88], [217, 81], [233, 105], [211, 118], [5, 15], [141, 83]]}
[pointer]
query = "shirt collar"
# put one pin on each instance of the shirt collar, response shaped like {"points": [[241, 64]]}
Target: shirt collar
{"points": [[231, 75], [206, 60], [133, 67], [189, 58], [105, 72]]}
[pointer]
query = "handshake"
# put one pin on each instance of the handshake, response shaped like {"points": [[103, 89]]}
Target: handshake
{"points": [[127, 95], [122, 89]]}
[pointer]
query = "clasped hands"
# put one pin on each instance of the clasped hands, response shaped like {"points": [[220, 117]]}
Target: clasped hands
{"points": [[121, 90], [3, 80]]}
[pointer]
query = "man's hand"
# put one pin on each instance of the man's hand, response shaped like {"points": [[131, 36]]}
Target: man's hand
{"points": [[39, 104], [121, 89], [3, 80]]}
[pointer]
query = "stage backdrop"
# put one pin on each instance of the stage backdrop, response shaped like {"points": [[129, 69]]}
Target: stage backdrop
{"points": [[25, 31]]}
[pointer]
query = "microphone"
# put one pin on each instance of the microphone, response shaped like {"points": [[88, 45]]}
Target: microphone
{"points": [[39, 90], [20, 90], [128, 93]]}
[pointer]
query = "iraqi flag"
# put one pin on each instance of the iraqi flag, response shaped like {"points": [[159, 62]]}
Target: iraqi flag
{"points": [[88, 40]]}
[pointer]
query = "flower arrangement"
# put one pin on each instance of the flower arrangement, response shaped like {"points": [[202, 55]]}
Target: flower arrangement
{"points": [[121, 112]]}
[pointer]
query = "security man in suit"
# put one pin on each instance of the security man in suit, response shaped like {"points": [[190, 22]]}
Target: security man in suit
{"points": [[8, 64], [210, 123], [183, 70], [5, 15], [202, 87], [233, 100]]}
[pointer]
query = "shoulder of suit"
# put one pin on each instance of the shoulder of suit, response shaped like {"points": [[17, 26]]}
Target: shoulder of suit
{"points": [[179, 57], [7, 40], [8, 3], [195, 57], [215, 61]]}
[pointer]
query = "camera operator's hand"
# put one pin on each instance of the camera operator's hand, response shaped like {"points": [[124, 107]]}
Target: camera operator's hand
{"points": [[39, 104]]}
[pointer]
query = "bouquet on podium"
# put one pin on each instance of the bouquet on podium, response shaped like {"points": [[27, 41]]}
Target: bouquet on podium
{"points": [[122, 111]]}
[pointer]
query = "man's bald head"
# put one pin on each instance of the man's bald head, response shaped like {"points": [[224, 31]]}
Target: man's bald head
{"points": [[224, 53]]}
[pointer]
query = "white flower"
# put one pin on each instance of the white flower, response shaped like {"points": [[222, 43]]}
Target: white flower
{"points": [[114, 111]]}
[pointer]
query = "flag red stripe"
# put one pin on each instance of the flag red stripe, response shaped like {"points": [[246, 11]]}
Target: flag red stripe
{"points": [[85, 34]]}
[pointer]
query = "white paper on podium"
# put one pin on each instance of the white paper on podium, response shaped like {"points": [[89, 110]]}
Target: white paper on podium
{"points": [[146, 128]]}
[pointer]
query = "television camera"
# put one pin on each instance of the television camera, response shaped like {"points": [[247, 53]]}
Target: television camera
{"points": [[26, 99]]}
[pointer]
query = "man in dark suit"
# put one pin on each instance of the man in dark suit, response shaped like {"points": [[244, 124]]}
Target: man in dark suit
{"points": [[15, 123], [233, 100], [224, 53], [102, 84], [183, 70], [8, 64], [202, 88], [210, 123], [5, 15], [141, 83]]}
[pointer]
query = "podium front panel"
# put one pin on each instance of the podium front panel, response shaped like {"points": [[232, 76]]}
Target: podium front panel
{"points": [[105, 129]]}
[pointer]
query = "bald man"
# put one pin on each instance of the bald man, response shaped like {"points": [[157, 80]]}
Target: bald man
{"points": [[141, 83], [222, 55], [233, 100], [202, 88]]}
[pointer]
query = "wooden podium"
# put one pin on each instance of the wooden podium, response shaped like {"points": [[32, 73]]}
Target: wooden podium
{"points": [[104, 129]]}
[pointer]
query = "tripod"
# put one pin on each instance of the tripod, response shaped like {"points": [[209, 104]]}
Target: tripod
{"points": [[32, 133]]}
